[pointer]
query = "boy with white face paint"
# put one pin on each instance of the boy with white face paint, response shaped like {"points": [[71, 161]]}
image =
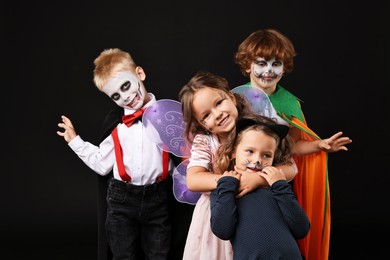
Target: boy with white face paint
{"points": [[265, 56], [138, 191], [126, 87]]}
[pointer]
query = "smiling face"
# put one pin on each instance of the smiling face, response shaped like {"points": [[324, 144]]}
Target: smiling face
{"points": [[127, 89], [215, 110], [255, 150], [265, 74]]}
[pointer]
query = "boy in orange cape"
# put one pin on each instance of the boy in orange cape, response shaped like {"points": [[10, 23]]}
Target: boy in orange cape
{"points": [[265, 56]]}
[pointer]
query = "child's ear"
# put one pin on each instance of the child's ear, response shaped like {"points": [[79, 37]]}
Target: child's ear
{"points": [[139, 71]]}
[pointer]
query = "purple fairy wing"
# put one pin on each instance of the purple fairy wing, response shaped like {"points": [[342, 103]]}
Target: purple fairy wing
{"points": [[258, 100], [180, 190], [164, 125]]}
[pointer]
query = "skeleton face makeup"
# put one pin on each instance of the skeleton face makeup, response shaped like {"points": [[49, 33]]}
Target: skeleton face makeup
{"points": [[268, 71], [126, 90]]}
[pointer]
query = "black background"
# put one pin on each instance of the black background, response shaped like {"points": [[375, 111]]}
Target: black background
{"points": [[48, 196]]}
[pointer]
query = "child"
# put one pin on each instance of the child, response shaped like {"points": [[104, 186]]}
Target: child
{"points": [[210, 111], [137, 196], [265, 56], [265, 223]]}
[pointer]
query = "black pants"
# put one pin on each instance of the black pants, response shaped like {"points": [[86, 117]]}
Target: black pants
{"points": [[138, 213], [180, 213]]}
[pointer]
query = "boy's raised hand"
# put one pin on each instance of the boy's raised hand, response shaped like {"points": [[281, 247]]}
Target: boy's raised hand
{"points": [[69, 133], [334, 143]]}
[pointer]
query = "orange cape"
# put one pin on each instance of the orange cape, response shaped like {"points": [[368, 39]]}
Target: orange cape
{"points": [[311, 184]]}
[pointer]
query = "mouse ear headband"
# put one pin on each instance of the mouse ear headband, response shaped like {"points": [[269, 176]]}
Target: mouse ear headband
{"points": [[244, 123]]}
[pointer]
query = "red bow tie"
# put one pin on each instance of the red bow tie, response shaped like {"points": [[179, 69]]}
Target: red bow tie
{"points": [[129, 119]]}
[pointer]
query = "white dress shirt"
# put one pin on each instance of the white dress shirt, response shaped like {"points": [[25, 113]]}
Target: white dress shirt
{"points": [[142, 158]]}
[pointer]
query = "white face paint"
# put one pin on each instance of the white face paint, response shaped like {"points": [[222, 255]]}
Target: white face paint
{"points": [[268, 71], [126, 90]]}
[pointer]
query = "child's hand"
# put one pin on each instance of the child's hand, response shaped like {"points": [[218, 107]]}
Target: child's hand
{"points": [[69, 132], [232, 174], [335, 143], [249, 182], [272, 174]]}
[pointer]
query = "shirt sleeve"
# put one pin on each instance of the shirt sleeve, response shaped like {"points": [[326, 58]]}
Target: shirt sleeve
{"points": [[201, 152], [223, 208], [100, 159], [292, 212]]}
